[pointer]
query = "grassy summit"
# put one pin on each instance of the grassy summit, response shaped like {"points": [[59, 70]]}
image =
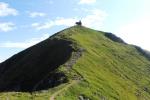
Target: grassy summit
{"points": [[91, 63]]}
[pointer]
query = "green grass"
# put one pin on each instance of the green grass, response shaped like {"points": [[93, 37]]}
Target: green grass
{"points": [[39, 95], [110, 70]]}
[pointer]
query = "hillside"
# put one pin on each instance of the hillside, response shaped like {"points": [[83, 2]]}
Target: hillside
{"points": [[103, 66]]}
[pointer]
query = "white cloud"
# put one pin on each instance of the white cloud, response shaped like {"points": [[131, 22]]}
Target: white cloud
{"points": [[6, 26], [5, 10], [24, 44], [65, 22], [36, 14], [57, 22], [136, 32], [94, 20], [87, 1], [35, 24], [3, 59], [50, 2], [46, 25]]}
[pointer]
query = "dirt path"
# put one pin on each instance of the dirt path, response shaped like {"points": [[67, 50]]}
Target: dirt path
{"points": [[53, 96]]}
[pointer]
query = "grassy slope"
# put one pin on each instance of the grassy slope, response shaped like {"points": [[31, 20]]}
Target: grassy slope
{"points": [[111, 70]]}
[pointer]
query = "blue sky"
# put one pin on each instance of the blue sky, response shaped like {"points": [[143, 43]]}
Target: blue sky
{"points": [[26, 22]]}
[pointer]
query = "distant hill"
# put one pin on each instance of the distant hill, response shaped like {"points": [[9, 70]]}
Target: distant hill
{"points": [[78, 63]]}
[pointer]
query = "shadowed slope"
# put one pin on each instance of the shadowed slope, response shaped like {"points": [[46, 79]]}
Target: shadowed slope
{"points": [[114, 38], [24, 70]]}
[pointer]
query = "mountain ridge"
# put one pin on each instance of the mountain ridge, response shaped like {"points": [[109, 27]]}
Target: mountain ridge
{"points": [[107, 68]]}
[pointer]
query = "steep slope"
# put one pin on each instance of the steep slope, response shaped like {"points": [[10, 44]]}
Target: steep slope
{"points": [[25, 70], [105, 67]]}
